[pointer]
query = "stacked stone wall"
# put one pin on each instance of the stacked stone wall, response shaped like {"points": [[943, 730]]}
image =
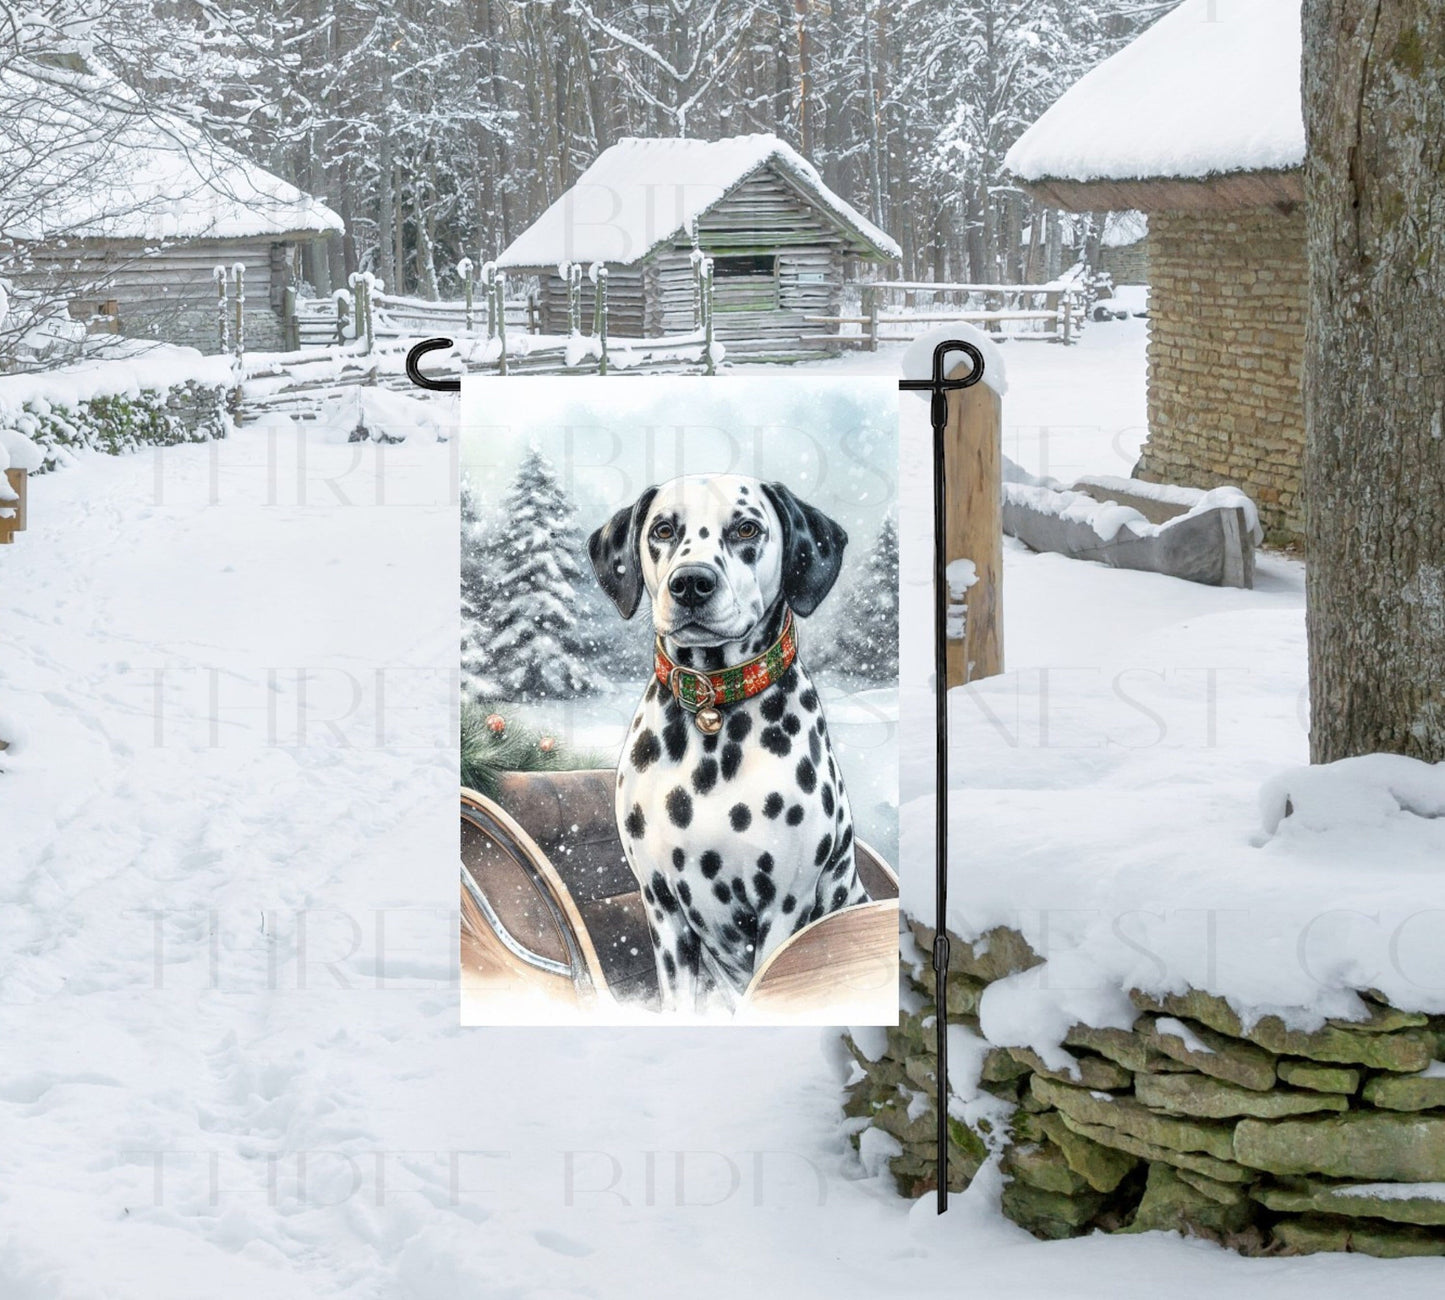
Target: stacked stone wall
{"points": [[1264, 1138]]}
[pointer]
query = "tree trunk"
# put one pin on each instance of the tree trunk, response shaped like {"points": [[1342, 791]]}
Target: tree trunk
{"points": [[1374, 98]]}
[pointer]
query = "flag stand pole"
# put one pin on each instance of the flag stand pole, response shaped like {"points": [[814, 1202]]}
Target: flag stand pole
{"points": [[939, 386]]}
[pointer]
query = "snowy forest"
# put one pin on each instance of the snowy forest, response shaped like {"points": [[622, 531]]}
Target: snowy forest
{"points": [[439, 130], [536, 626]]}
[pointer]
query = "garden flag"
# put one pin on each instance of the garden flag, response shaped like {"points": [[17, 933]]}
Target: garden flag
{"points": [[679, 703]]}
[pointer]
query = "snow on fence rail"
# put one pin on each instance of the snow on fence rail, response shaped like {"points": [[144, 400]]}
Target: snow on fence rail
{"points": [[1055, 311]]}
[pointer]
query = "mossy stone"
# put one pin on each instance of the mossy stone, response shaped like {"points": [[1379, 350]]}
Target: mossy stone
{"points": [[1206, 1098], [1228, 1058], [1049, 1214], [1313, 1233], [1320, 1078], [1367, 1145], [1223, 1171], [1170, 1202], [1406, 1092], [1358, 1200], [1043, 1165], [1129, 1116], [1094, 1071]]}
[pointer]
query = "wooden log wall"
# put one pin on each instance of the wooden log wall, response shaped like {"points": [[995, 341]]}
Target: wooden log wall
{"points": [[167, 293]]}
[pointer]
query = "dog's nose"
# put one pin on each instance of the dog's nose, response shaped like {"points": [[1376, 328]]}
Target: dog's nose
{"points": [[692, 584]]}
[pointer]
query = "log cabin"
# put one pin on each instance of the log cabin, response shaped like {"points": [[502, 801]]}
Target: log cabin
{"points": [[119, 213], [781, 242]]}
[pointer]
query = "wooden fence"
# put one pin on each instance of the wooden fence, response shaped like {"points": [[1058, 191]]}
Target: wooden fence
{"points": [[1055, 311]]}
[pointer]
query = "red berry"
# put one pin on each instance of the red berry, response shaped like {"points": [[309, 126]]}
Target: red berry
{"points": [[496, 724]]}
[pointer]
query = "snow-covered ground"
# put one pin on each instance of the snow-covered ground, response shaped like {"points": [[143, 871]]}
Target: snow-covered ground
{"points": [[227, 991]]}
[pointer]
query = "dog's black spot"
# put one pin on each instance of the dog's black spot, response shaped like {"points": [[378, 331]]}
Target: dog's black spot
{"points": [[789, 680], [795, 815], [702, 532], [840, 896], [826, 795], [669, 964], [730, 935], [832, 770], [764, 888], [647, 892], [637, 722], [738, 727], [732, 759], [807, 776], [789, 903], [678, 858], [741, 817], [791, 724], [652, 689], [704, 775], [656, 939], [619, 780], [709, 743], [777, 743], [825, 847], [846, 838], [809, 699], [689, 950], [773, 804], [664, 893], [674, 732], [774, 705], [679, 807], [645, 750], [724, 894], [746, 920], [695, 917], [748, 555], [765, 863], [742, 489], [815, 747], [684, 892], [636, 823], [840, 867], [711, 863], [763, 932], [740, 890]]}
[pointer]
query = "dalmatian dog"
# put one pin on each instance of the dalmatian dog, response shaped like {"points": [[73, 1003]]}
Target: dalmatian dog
{"points": [[732, 811]]}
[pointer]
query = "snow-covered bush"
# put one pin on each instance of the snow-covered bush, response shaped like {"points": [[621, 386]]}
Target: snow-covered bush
{"points": [[120, 422]]}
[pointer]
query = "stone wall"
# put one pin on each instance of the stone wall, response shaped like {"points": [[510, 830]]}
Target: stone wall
{"points": [[1127, 263], [1226, 351], [1266, 1139]]}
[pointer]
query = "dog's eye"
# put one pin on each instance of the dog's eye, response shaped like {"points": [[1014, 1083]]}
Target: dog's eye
{"points": [[663, 531], [747, 530]]}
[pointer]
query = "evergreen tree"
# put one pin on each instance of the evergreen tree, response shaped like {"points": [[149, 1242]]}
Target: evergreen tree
{"points": [[527, 568], [476, 593], [866, 640]]}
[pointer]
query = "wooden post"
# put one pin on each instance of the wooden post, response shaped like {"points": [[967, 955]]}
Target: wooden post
{"points": [[1068, 308], [464, 269], [290, 325], [601, 319], [239, 271], [13, 523], [499, 287], [870, 310], [974, 526], [709, 367], [223, 316], [340, 320]]}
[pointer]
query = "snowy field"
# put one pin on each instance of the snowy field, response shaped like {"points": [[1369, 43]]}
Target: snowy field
{"points": [[228, 999]]}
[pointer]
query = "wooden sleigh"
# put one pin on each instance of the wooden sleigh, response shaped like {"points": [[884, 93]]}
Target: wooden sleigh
{"points": [[551, 910]]}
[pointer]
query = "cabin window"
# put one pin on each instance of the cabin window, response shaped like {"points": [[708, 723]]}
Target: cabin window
{"points": [[745, 282]]}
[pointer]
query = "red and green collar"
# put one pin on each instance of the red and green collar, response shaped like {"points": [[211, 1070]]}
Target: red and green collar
{"points": [[700, 693]]}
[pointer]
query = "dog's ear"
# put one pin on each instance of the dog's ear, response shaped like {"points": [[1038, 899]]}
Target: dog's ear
{"points": [[812, 549], [616, 551]]}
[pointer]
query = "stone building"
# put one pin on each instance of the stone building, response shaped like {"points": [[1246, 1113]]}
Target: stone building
{"points": [[1198, 124]]}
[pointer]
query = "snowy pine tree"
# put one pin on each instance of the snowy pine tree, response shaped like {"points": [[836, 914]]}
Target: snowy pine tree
{"points": [[526, 570], [866, 640], [477, 681]]}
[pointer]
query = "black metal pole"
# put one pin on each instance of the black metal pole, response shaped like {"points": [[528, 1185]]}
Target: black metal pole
{"points": [[940, 386]]}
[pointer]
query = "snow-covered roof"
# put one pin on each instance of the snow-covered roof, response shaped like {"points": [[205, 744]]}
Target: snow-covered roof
{"points": [[1213, 87], [643, 192], [97, 162]]}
